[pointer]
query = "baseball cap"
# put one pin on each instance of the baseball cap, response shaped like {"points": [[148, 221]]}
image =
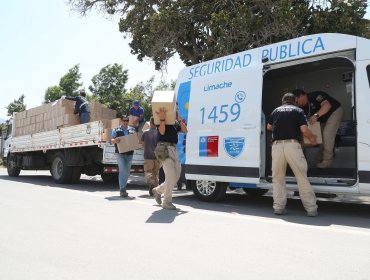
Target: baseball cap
{"points": [[136, 102]]}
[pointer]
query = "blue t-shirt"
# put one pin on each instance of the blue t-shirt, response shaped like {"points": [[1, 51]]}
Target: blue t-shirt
{"points": [[137, 113]]}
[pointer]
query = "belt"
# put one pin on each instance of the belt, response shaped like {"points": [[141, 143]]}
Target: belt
{"points": [[167, 144], [286, 141]]}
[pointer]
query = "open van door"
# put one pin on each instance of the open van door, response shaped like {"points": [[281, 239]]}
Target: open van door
{"points": [[224, 124]]}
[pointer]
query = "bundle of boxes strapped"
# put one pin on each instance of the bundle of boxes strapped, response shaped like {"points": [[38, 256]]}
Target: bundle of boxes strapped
{"points": [[60, 114]]}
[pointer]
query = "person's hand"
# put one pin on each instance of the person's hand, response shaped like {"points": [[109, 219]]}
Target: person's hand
{"points": [[115, 140], [313, 139], [313, 119], [162, 113]]}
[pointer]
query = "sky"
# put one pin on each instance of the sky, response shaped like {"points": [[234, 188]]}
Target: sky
{"points": [[40, 40]]}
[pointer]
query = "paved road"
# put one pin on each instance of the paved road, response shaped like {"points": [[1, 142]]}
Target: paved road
{"points": [[86, 231]]}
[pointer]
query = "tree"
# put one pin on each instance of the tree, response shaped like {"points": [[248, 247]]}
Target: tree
{"points": [[108, 86], [203, 30], [68, 85], [16, 106]]}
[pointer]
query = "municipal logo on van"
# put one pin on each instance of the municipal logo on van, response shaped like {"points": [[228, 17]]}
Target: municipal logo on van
{"points": [[234, 146]]}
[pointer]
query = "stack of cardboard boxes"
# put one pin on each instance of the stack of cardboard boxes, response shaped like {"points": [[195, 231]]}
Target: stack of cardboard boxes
{"points": [[57, 114]]}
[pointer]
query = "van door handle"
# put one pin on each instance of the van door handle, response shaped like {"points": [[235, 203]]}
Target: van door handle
{"points": [[248, 126]]}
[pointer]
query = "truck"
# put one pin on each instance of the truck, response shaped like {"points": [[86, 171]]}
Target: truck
{"points": [[226, 102], [67, 152]]}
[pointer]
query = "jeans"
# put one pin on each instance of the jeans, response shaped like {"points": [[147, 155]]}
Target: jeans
{"points": [[124, 166], [84, 117]]}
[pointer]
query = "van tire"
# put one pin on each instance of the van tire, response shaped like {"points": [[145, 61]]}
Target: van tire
{"points": [[62, 174], [209, 191], [255, 192], [11, 166]]}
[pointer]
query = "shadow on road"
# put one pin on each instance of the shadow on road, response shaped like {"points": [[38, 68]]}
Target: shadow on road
{"points": [[352, 213]]}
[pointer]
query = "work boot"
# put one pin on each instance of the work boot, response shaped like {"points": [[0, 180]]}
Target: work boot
{"points": [[123, 193], [324, 164], [169, 206], [157, 196], [312, 213], [280, 211]]}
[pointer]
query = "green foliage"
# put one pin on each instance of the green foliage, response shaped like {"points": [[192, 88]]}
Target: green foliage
{"points": [[16, 106], [203, 30], [108, 86], [68, 85]]}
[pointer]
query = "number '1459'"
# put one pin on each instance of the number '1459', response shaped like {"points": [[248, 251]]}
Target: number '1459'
{"points": [[221, 114]]}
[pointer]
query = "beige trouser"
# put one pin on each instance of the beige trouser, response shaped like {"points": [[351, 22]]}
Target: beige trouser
{"points": [[151, 170], [283, 152], [329, 130], [172, 171]]}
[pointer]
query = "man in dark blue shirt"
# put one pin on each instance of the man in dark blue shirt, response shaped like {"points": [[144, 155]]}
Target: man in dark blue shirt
{"points": [[321, 107], [137, 111], [287, 124], [82, 106]]}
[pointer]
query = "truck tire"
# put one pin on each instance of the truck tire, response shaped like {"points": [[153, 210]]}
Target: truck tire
{"points": [[210, 191], [61, 173], [255, 192], [11, 166], [109, 177]]}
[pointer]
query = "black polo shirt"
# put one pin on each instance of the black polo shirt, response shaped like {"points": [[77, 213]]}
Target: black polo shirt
{"points": [[170, 134], [286, 121], [314, 104]]}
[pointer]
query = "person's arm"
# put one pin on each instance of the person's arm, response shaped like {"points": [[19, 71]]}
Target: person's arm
{"points": [[308, 134], [162, 121], [325, 107], [141, 116], [73, 98], [269, 127], [183, 127]]}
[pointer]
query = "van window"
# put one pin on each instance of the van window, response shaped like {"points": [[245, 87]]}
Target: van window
{"points": [[368, 73]]}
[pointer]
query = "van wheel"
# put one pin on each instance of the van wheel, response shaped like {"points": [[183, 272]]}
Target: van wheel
{"points": [[11, 166], [61, 173], [209, 191], [109, 177], [255, 192]]}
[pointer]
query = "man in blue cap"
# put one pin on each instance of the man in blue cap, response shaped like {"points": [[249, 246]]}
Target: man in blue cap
{"points": [[137, 111]]}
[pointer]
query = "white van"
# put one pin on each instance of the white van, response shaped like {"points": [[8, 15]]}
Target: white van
{"points": [[227, 100]]}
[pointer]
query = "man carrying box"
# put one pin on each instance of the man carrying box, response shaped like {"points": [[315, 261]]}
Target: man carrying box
{"points": [[138, 112], [82, 106], [124, 159]]}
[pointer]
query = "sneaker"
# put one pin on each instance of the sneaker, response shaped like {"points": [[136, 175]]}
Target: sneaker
{"points": [[169, 206], [280, 211], [123, 193], [312, 214], [157, 196], [324, 164]]}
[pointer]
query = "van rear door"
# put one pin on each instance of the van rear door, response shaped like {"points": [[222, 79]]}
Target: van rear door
{"points": [[224, 118]]}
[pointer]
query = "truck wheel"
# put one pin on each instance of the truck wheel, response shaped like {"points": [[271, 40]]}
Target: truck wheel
{"points": [[109, 177], [76, 175], [11, 166], [209, 191], [255, 192], [61, 173]]}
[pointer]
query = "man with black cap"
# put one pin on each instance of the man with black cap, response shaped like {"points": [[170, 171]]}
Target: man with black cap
{"points": [[82, 106], [321, 107], [287, 124]]}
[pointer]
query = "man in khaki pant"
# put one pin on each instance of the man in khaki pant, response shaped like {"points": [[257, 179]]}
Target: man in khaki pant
{"points": [[287, 124], [321, 107], [167, 137]]}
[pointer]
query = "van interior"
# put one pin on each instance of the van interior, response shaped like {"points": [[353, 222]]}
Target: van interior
{"points": [[332, 74]]}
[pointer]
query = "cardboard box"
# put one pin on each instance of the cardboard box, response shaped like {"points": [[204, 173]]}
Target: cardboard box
{"points": [[133, 121], [316, 130], [128, 143], [166, 100], [114, 123]]}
